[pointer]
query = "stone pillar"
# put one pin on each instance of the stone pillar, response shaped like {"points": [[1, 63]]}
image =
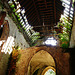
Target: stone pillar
{"points": [[72, 41]]}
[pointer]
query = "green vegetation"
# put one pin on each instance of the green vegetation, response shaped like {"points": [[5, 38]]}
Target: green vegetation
{"points": [[17, 48], [16, 18], [17, 15], [14, 58], [66, 24], [12, 6], [35, 36]]}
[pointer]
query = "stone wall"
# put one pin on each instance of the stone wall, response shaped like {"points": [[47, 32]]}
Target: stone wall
{"points": [[61, 59], [72, 41], [18, 41], [4, 58], [14, 32]]}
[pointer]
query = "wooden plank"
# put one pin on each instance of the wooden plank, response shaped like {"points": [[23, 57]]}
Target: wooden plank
{"points": [[36, 11]]}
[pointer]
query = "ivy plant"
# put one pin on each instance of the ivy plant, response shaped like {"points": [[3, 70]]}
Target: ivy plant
{"points": [[65, 35]]}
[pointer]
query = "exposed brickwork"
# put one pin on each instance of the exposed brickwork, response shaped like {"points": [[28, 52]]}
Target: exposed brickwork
{"points": [[61, 60]]}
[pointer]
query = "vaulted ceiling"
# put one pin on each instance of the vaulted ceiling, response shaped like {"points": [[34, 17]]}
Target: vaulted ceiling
{"points": [[42, 14]]}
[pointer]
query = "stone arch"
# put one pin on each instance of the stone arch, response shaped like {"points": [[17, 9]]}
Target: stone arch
{"points": [[40, 61]]}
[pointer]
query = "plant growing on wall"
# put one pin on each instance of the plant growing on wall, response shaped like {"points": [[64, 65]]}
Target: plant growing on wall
{"points": [[12, 6], [65, 35], [16, 14], [35, 36], [15, 56], [22, 25]]}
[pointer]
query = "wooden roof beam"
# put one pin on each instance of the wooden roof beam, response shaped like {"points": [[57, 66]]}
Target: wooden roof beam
{"points": [[24, 3], [32, 19], [29, 8], [29, 14], [29, 4], [55, 11], [36, 12], [45, 3]]}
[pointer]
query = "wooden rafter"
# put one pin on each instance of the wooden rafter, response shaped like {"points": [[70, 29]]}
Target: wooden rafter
{"points": [[36, 11], [55, 11], [45, 3], [25, 4]]}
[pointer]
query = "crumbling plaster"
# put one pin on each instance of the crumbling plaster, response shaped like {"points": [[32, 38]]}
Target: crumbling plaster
{"points": [[18, 41], [14, 32]]}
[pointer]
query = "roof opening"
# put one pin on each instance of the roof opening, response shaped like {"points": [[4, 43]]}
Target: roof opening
{"points": [[51, 41]]}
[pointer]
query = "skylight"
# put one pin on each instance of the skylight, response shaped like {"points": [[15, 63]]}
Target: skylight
{"points": [[51, 41]]}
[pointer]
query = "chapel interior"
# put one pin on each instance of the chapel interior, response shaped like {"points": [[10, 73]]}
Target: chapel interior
{"points": [[37, 37]]}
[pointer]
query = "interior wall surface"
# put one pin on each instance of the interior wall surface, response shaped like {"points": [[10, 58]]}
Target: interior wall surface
{"points": [[19, 40], [72, 40]]}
